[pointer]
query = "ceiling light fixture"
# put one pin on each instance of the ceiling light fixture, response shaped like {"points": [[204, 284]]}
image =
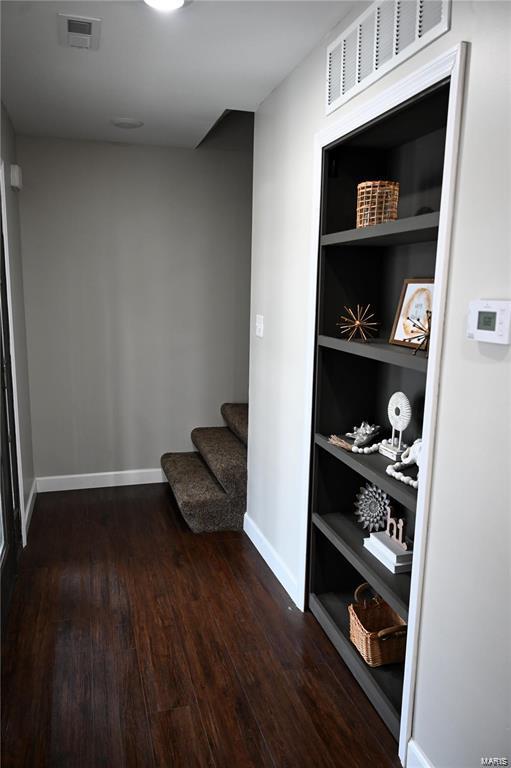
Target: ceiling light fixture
{"points": [[165, 5], [126, 122]]}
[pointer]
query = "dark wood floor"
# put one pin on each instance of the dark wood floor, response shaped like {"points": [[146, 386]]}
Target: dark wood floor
{"points": [[133, 642]]}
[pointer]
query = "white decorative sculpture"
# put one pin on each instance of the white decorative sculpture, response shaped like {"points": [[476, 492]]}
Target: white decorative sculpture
{"points": [[396, 530], [400, 414], [372, 507], [412, 455]]}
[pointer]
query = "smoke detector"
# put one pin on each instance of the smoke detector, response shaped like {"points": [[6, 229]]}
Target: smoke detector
{"points": [[78, 31], [126, 122]]}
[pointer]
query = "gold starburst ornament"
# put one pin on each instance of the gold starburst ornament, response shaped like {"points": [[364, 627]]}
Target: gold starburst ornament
{"points": [[358, 323]]}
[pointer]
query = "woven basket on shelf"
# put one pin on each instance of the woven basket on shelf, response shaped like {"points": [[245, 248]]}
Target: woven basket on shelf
{"points": [[376, 202], [376, 631]]}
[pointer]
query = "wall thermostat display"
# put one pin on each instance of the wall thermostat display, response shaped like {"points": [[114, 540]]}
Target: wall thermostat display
{"points": [[490, 320]]}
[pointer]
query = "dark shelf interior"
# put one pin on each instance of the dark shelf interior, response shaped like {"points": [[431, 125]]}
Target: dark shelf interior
{"points": [[334, 584], [373, 469], [372, 276], [406, 146], [352, 389], [416, 229], [380, 350], [354, 380], [383, 685], [348, 537]]}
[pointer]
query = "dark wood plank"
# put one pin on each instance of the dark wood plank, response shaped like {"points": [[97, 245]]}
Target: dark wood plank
{"points": [[71, 721], [338, 721], [121, 730], [232, 730], [179, 739], [133, 642], [162, 660], [285, 628], [290, 732]]}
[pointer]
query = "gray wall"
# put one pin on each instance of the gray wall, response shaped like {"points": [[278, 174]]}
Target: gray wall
{"points": [[19, 353], [462, 702], [137, 269]]}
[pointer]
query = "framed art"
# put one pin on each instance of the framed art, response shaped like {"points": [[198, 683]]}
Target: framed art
{"points": [[414, 309]]}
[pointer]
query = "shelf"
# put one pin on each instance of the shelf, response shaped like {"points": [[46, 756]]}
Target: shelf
{"points": [[372, 466], [380, 350], [383, 685], [348, 538], [415, 229]]}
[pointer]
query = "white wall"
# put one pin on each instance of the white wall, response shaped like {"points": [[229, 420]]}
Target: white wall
{"points": [[137, 267], [462, 696], [18, 330]]}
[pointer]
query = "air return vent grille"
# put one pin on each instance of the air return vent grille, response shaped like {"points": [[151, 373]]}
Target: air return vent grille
{"points": [[389, 32], [78, 31]]}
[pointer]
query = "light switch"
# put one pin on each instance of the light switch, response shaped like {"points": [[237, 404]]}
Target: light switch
{"points": [[259, 326]]}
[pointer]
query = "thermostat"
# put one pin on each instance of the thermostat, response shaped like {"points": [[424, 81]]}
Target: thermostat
{"points": [[490, 320]]}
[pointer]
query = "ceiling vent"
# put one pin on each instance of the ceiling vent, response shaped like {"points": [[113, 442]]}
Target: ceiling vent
{"points": [[78, 31], [386, 34]]}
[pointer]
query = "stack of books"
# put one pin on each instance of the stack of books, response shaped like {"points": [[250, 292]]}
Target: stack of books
{"points": [[389, 552]]}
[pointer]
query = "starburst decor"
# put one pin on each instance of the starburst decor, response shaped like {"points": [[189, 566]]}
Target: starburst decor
{"points": [[372, 507], [422, 332], [358, 322]]}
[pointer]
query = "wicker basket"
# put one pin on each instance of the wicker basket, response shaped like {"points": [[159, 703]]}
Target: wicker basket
{"points": [[376, 202], [376, 631]]}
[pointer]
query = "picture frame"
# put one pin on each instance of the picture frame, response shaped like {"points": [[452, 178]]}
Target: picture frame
{"points": [[415, 300]]}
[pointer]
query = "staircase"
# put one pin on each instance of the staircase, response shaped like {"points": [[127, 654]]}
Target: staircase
{"points": [[210, 485]]}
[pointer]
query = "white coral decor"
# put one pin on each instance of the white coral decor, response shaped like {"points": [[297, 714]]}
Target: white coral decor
{"points": [[372, 507]]}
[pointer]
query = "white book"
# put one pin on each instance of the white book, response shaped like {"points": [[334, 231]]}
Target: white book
{"points": [[388, 563], [379, 551], [382, 542]]}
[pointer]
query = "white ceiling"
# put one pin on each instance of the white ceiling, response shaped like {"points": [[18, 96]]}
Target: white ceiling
{"points": [[177, 72]]}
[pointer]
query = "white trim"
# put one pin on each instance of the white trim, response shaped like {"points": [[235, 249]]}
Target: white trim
{"points": [[28, 511], [415, 757], [273, 559], [99, 480], [450, 64], [456, 64], [8, 288]]}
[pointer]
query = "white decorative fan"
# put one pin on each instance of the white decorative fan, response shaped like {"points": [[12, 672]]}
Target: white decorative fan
{"points": [[399, 412]]}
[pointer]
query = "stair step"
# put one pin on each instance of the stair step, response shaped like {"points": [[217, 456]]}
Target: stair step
{"points": [[236, 418], [203, 503], [226, 457]]}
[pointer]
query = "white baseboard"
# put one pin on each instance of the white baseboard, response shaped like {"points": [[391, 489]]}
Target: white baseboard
{"points": [[273, 559], [99, 480], [415, 757], [29, 508]]}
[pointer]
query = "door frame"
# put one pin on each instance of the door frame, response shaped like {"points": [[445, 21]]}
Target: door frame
{"points": [[8, 288], [450, 64]]}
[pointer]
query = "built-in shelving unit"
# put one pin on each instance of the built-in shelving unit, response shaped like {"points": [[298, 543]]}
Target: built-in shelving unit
{"points": [[378, 349], [416, 229], [354, 380]]}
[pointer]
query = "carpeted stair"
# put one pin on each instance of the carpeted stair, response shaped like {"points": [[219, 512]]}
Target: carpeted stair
{"points": [[210, 486]]}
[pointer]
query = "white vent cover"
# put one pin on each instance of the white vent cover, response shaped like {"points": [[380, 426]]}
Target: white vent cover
{"points": [[389, 32], [78, 31]]}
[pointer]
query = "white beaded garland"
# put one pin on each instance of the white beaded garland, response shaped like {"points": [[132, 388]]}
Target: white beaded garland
{"points": [[393, 471], [366, 450]]}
